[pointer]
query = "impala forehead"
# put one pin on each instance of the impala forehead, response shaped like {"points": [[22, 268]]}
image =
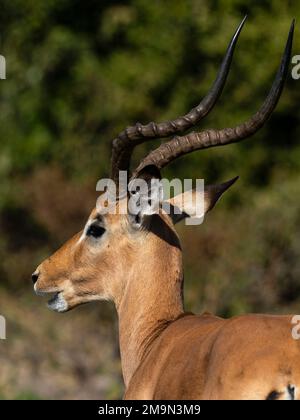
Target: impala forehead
{"points": [[96, 217]]}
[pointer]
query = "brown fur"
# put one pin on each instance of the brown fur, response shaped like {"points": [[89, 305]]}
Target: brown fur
{"points": [[166, 353]]}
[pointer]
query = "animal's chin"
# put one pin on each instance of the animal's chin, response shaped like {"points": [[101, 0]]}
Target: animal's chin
{"points": [[58, 303]]}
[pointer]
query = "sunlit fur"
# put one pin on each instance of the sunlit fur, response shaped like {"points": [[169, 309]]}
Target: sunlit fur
{"points": [[166, 353]]}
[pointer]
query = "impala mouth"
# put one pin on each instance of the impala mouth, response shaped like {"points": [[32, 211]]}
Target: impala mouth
{"points": [[56, 302], [52, 298]]}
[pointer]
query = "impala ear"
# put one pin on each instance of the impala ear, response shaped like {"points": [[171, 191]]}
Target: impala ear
{"points": [[145, 195], [185, 205]]}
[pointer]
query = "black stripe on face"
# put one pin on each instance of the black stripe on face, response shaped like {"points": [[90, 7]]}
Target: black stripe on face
{"points": [[274, 395], [291, 391]]}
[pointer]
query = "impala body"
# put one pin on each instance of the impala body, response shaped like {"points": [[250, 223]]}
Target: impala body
{"points": [[135, 260]]}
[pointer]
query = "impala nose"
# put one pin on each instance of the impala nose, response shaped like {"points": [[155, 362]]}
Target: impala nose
{"points": [[35, 277]]}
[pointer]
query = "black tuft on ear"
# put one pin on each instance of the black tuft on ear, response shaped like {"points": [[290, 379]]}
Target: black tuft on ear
{"points": [[214, 192]]}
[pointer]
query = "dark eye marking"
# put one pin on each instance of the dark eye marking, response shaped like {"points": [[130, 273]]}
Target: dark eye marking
{"points": [[95, 231]]}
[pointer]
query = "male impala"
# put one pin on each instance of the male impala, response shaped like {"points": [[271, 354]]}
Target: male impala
{"points": [[136, 261]]}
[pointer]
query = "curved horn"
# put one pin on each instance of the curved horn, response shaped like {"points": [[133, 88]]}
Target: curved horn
{"points": [[123, 145], [179, 146]]}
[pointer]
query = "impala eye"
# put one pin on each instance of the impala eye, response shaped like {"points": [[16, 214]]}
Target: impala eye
{"points": [[95, 231]]}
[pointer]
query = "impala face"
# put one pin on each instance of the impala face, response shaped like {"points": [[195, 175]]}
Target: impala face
{"points": [[97, 263], [85, 267]]}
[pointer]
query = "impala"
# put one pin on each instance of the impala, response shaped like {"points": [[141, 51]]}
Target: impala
{"points": [[135, 260]]}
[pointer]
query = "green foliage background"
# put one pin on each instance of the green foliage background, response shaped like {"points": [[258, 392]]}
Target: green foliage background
{"points": [[77, 74]]}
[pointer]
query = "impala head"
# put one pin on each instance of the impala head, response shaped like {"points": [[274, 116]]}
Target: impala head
{"points": [[98, 262]]}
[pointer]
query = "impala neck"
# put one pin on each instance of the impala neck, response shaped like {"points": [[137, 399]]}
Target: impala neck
{"points": [[152, 297]]}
